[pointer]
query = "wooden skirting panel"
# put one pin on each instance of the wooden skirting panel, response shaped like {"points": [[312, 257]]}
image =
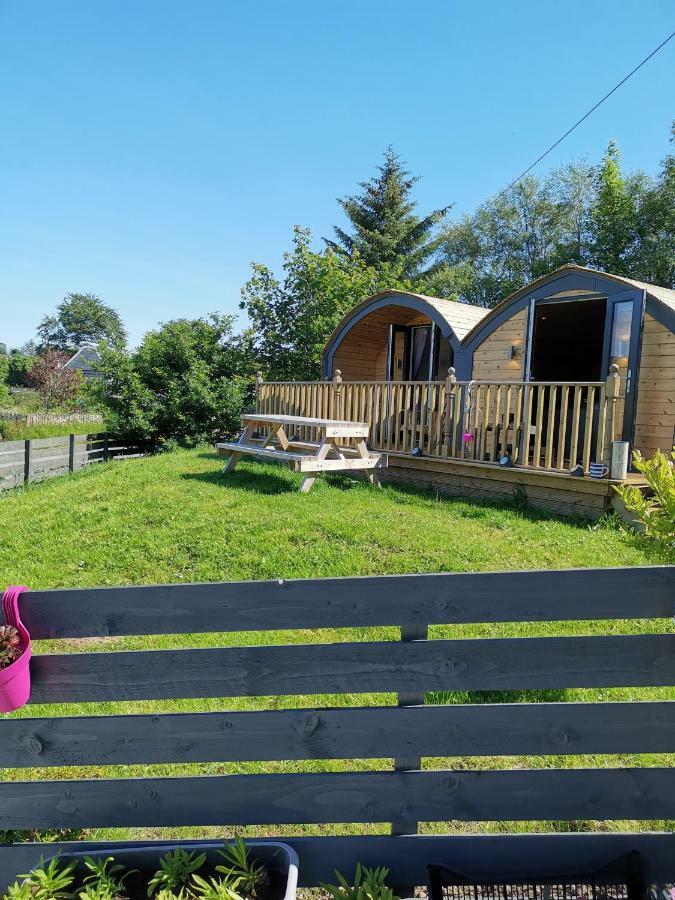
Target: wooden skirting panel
{"points": [[549, 491]]}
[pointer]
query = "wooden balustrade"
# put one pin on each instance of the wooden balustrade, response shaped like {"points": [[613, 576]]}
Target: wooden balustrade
{"points": [[547, 425]]}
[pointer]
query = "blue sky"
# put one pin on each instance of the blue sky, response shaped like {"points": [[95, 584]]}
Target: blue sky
{"points": [[149, 151]]}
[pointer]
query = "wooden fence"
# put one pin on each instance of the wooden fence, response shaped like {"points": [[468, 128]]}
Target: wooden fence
{"points": [[401, 792], [37, 458], [549, 425], [9, 415]]}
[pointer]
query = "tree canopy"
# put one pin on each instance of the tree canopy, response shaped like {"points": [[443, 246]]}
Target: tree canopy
{"points": [[80, 319], [292, 317], [187, 380], [386, 230]]}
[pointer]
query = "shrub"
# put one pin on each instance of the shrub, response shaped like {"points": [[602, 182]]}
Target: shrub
{"points": [[656, 512], [186, 381]]}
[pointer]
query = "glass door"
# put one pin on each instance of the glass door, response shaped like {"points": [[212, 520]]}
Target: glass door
{"points": [[622, 335]]}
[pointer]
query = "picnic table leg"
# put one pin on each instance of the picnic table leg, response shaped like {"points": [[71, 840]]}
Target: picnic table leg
{"points": [[325, 447], [234, 456], [371, 474]]}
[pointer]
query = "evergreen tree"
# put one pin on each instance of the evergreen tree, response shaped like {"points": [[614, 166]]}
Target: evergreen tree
{"points": [[386, 229], [614, 217], [654, 256]]}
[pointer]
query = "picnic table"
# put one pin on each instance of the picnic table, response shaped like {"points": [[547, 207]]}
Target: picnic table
{"points": [[341, 446]]}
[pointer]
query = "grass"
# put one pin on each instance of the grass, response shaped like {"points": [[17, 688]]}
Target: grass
{"points": [[20, 431], [174, 518]]}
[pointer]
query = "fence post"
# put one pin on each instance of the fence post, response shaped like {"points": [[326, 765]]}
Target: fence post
{"points": [[27, 462], [106, 446], [450, 388], [71, 452], [404, 824], [612, 390], [337, 392], [258, 384]]}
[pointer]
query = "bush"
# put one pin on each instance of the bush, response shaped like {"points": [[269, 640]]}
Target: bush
{"points": [[187, 380], [657, 512]]}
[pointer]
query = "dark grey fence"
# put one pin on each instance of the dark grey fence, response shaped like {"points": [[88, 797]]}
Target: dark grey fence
{"points": [[401, 795], [38, 458]]}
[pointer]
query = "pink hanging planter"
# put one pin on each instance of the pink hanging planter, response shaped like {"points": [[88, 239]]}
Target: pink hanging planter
{"points": [[15, 678]]}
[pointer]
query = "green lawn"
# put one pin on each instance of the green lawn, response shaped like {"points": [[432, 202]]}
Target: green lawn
{"points": [[174, 518]]}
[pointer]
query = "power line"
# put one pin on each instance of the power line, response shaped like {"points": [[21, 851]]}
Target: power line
{"points": [[586, 115]]}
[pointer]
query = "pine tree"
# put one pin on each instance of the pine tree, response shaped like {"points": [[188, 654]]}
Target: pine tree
{"points": [[614, 217], [386, 229]]}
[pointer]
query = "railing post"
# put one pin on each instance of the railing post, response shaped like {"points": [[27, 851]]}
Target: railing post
{"points": [[612, 390], [450, 403], [71, 452], [27, 462], [405, 825], [106, 446], [258, 384], [337, 393]]}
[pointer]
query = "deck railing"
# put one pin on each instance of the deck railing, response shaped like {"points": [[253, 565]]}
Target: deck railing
{"points": [[549, 425]]}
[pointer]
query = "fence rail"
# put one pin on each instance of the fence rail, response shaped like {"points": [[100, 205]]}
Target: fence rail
{"points": [[400, 733], [548, 425], [37, 458], [9, 415]]}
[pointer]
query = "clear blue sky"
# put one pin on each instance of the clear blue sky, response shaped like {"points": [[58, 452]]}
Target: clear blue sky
{"points": [[150, 150]]}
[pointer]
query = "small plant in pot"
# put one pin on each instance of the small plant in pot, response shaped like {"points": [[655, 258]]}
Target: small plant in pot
{"points": [[214, 871], [14, 653], [10, 645]]}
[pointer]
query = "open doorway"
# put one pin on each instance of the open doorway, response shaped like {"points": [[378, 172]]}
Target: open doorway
{"points": [[568, 340]]}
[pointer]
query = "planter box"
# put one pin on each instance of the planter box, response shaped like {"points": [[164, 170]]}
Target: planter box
{"points": [[280, 861]]}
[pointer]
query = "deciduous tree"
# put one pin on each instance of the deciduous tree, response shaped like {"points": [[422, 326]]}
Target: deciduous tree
{"points": [[56, 385], [80, 319]]}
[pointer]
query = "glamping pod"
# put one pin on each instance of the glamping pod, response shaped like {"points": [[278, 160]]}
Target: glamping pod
{"points": [[398, 336], [540, 396], [571, 326]]}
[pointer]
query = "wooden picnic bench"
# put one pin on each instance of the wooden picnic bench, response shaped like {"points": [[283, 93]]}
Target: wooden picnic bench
{"points": [[402, 732], [332, 452]]}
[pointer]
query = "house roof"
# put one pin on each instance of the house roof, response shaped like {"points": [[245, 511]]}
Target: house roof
{"points": [[84, 358], [662, 295], [459, 317]]}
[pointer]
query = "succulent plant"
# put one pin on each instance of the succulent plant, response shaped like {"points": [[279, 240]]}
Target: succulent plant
{"points": [[10, 645]]}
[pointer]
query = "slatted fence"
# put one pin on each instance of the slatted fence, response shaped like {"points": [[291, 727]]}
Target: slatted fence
{"points": [[38, 458], [402, 794], [551, 425]]}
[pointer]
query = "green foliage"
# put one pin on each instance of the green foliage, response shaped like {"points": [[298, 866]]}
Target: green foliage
{"points": [[369, 884], [174, 870], [187, 380], [291, 319], [50, 881], [105, 880], [584, 214], [246, 872], [80, 319], [4, 373], [386, 229], [56, 385], [19, 365], [215, 888], [614, 217], [656, 512]]}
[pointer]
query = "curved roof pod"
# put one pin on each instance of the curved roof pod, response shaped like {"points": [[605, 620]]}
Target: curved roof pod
{"points": [[570, 277], [455, 320]]}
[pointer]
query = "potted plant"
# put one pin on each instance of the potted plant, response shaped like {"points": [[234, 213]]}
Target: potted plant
{"points": [[14, 654], [255, 870]]}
